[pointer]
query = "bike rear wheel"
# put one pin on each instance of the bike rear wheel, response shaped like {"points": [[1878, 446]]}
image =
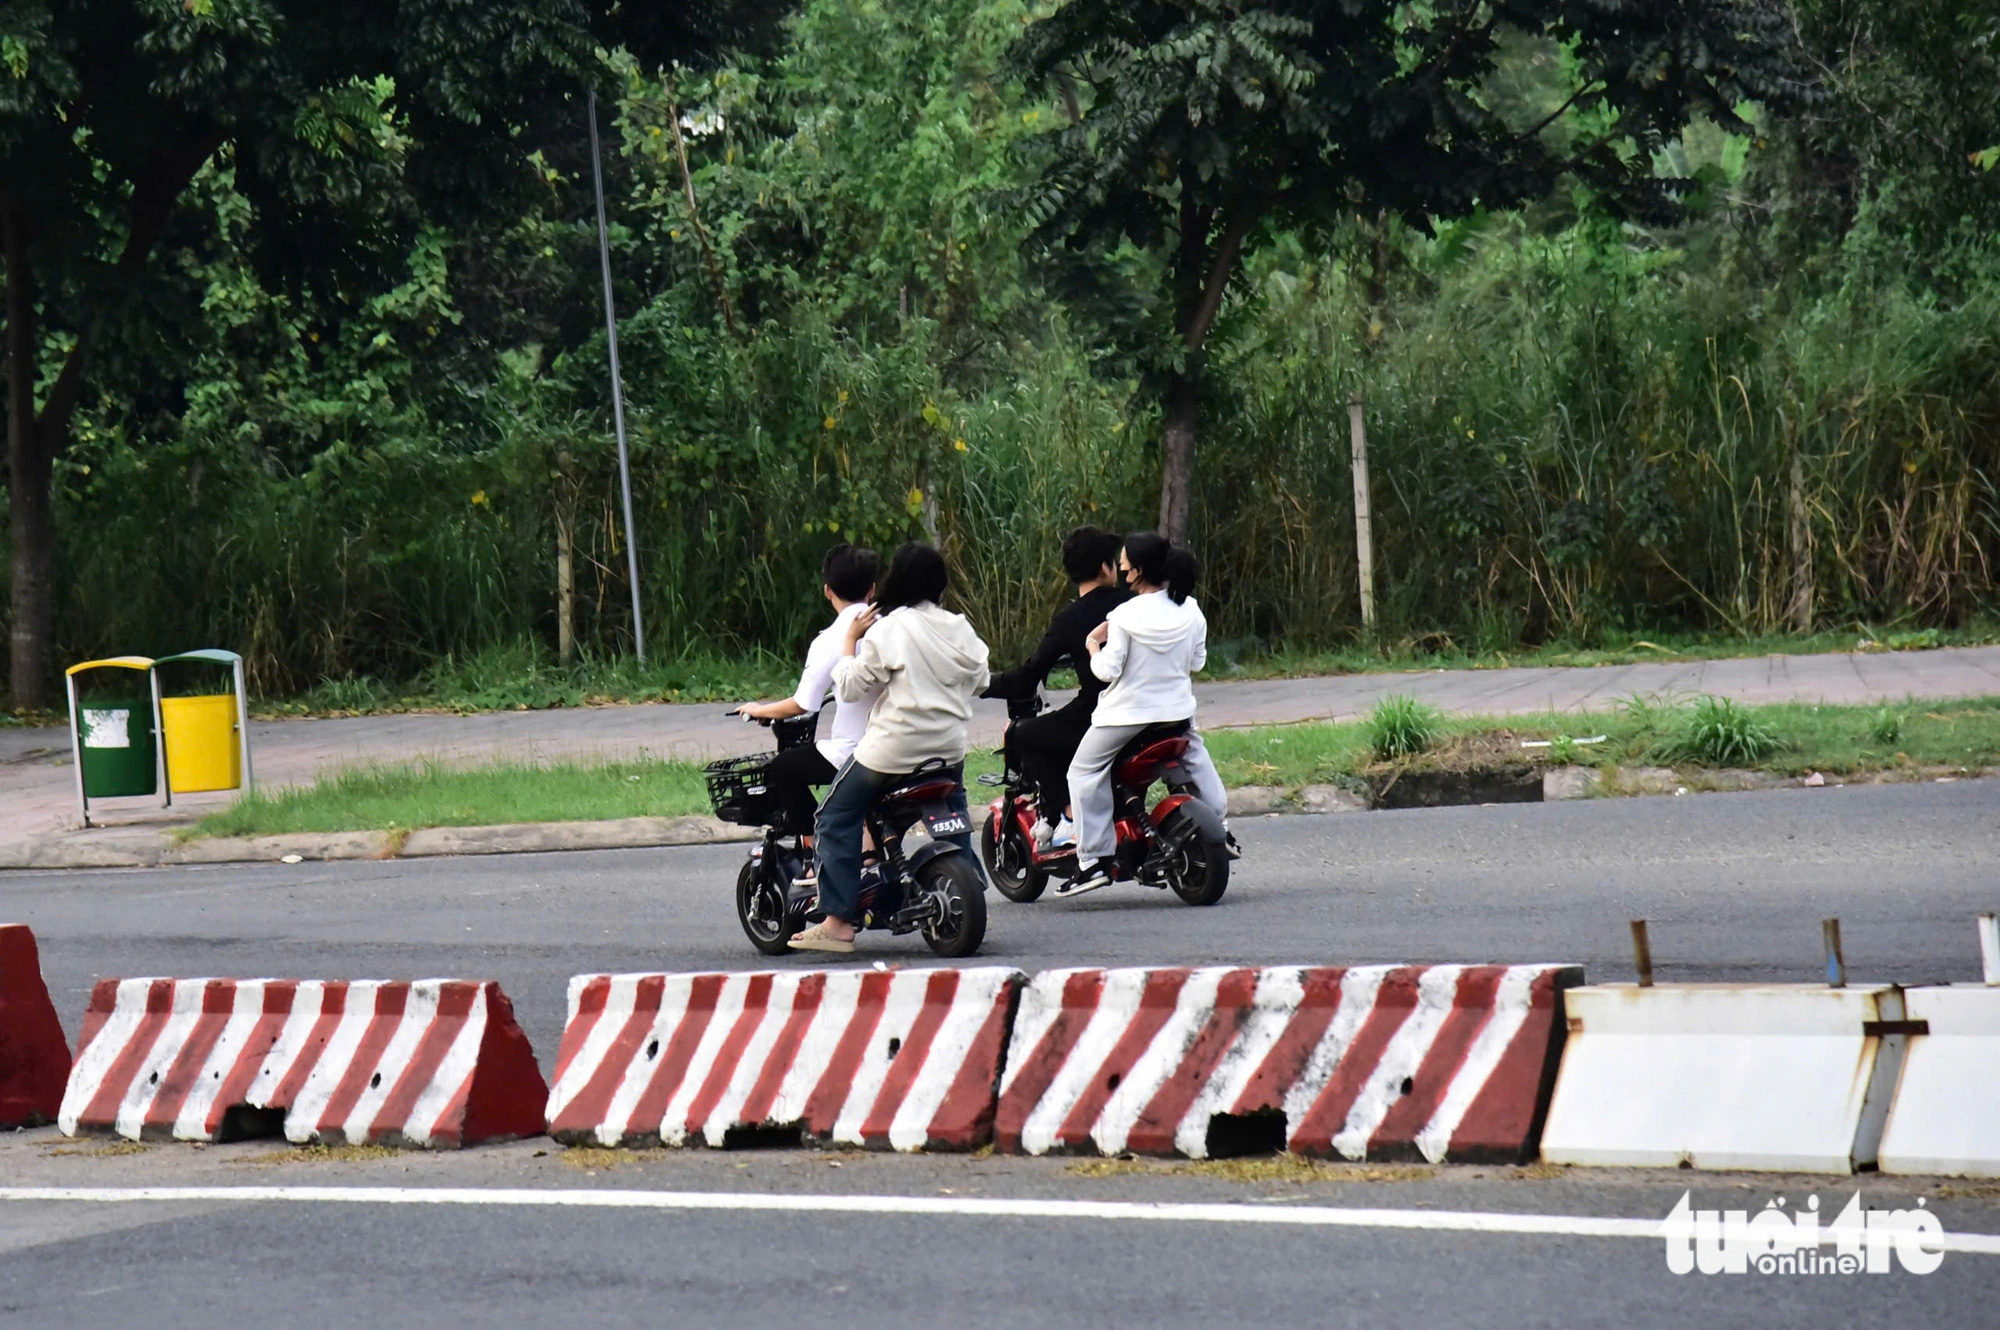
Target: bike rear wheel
{"points": [[1197, 868], [958, 895]]}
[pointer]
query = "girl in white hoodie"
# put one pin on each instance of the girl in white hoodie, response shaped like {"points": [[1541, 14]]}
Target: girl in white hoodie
{"points": [[1147, 651], [926, 664]]}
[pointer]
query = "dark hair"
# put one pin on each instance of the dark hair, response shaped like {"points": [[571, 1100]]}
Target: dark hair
{"points": [[916, 574], [1157, 563], [1086, 550], [850, 570]]}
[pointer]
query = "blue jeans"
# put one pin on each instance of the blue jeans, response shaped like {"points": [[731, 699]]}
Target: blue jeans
{"points": [[837, 835]]}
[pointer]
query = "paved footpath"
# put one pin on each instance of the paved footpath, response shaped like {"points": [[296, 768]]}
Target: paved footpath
{"points": [[37, 783]]}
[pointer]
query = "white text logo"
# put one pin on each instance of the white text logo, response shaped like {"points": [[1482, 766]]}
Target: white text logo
{"points": [[1777, 1241]]}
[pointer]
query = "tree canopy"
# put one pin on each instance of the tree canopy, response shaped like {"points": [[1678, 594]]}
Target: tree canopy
{"points": [[1194, 128], [339, 125]]}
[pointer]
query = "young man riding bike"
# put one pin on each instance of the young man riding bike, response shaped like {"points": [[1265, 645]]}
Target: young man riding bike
{"points": [[1045, 744], [928, 665], [847, 578]]}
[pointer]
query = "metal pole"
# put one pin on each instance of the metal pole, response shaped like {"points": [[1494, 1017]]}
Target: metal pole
{"points": [[1989, 948], [160, 742], [617, 386], [76, 748], [1364, 538], [242, 722]]}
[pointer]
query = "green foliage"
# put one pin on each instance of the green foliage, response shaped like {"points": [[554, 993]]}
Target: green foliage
{"points": [[1831, 740], [1720, 733], [1401, 726], [433, 795], [1886, 727], [1584, 431]]}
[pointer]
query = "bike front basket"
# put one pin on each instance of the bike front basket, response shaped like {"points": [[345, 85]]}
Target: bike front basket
{"points": [[737, 792]]}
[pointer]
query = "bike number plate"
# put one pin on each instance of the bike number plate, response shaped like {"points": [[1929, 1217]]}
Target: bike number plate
{"points": [[947, 822]]}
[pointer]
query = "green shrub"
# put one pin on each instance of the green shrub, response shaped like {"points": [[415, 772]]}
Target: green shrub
{"points": [[1401, 726], [1720, 733], [1887, 728]]}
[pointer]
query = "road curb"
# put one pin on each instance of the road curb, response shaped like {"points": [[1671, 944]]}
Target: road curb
{"points": [[149, 847]]}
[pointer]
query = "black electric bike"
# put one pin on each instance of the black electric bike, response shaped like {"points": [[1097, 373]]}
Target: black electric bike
{"points": [[919, 882]]}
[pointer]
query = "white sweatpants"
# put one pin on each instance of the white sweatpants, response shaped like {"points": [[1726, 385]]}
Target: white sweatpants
{"points": [[1090, 786]]}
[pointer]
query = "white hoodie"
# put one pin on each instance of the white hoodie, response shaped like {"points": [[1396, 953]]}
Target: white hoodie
{"points": [[1149, 654], [929, 665]]}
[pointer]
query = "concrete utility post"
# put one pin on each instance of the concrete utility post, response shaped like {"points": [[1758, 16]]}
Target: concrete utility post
{"points": [[1364, 540]]}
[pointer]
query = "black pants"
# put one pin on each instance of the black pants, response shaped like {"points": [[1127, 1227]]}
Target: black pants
{"points": [[1042, 747], [790, 778]]}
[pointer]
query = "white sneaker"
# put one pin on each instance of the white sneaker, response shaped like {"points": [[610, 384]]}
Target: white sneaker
{"points": [[1064, 837], [1042, 833]]}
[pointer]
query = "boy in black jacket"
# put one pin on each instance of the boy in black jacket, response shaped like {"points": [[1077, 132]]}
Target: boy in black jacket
{"points": [[1045, 744]]}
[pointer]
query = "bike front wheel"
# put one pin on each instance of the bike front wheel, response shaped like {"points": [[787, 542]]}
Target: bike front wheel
{"points": [[760, 908], [1011, 861]]}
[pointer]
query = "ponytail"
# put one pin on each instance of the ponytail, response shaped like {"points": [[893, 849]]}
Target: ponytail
{"points": [[1183, 571]]}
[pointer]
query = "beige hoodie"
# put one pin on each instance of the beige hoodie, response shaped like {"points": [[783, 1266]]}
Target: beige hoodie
{"points": [[930, 664]]}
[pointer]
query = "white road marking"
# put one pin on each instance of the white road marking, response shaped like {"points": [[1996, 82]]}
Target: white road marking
{"points": [[1317, 1216]]}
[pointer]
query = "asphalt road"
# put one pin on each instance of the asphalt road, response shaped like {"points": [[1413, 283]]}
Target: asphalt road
{"points": [[1735, 886]]}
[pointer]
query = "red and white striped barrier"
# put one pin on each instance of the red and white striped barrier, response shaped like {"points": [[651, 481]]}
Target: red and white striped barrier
{"points": [[904, 1060], [1443, 1062], [34, 1055], [438, 1062]]}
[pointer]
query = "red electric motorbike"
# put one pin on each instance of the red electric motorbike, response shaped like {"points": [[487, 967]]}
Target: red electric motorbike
{"points": [[1177, 843]]}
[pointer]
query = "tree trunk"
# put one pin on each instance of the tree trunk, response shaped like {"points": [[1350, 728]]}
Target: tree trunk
{"points": [[30, 525], [1177, 445]]}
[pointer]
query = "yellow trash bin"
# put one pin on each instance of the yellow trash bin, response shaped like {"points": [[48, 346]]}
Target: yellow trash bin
{"points": [[201, 729], [203, 752]]}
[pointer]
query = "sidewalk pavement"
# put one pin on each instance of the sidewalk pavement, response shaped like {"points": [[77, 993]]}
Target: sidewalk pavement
{"points": [[37, 783]]}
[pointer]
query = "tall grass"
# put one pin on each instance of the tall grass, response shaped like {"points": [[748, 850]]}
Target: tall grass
{"points": [[1569, 438]]}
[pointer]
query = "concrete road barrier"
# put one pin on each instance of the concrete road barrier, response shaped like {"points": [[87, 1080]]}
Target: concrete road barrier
{"points": [[1434, 1062], [1945, 1118], [434, 1063], [34, 1055], [1789, 1077], [903, 1060]]}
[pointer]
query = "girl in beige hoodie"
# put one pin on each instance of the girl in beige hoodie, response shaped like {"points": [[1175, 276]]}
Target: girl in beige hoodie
{"points": [[929, 664]]}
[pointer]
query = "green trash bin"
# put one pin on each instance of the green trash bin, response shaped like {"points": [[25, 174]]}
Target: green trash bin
{"points": [[113, 729]]}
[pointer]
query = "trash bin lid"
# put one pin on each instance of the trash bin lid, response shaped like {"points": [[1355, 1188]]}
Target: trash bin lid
{"points": [[116, 662], [215, 655]]}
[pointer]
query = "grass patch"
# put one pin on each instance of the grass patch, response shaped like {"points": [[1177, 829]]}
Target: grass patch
{"points": [[599, 1158], [1721, 733], [1261, 1168], [1401, 726], [321, 1154], [110, 1150], [432, 795], [1833, 740]]}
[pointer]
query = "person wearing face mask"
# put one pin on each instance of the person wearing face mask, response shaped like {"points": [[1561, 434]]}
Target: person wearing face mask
{"points": [[1146, 652], [1045, 744]]}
